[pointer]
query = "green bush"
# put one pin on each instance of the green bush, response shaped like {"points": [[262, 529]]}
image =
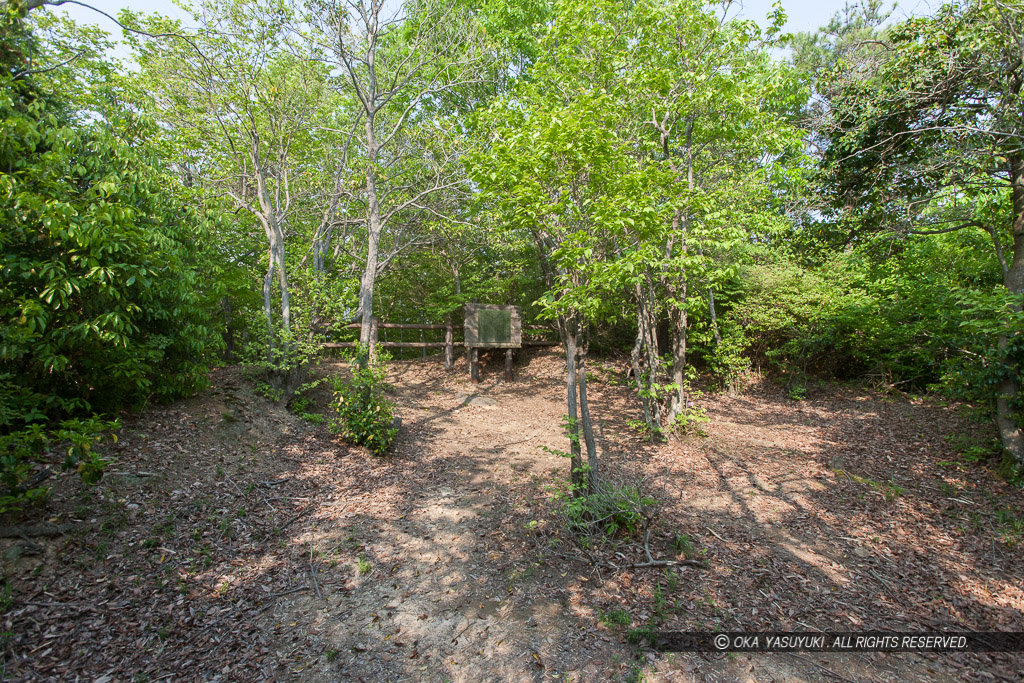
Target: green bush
{"points": [[76, 439], [365, 416], [105, 276], [618, 511], [101, 303], [278, 365]]}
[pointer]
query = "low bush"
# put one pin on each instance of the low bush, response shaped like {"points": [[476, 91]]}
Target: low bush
{"points": [[618, 511], [22, 452], [364, 416]]}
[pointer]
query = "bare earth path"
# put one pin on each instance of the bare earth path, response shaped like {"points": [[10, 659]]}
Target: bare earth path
{"points": [[451, 595], [233, 541]]}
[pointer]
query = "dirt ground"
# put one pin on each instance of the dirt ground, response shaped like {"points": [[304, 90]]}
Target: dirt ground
{"points": [[232, 540]]}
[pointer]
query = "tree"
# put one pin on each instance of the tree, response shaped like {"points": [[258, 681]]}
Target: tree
{"points": [[100, 304], [238, 106], [705, 109], [397, 63], [103, 304], [556, 169], [928, 141]]}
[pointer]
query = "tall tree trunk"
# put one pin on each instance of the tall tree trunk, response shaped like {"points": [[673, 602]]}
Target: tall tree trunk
{"points": [[638, 347], [677, 315], [678, 293], [585, 422], [714, 316], [373, 226], [1007, 420], [277, 249], [650, 328], [275, 236], [268, 304], [569, 336], [678, 318]]}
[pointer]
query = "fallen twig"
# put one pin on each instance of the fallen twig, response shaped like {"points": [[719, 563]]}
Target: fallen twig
{"points": [[658, 563], [287, 592], [312, 571], [237, 488], [295, 518], [72, 605], [28, 530]]}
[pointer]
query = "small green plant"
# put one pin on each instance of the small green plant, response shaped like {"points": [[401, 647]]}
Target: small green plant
{"points": [[365, 416], [301, 403], [264, 389], [5, 597], [615, 617], [617, 511], [77, 439], [970, 450], [645, 430], [671, 580], [683, 545], [301, 406], [661, 604], [641, 634], [798, 392], [691, 415], [636, 674], [689, 419], [1010, 527], [332, 655], [364, 565]]}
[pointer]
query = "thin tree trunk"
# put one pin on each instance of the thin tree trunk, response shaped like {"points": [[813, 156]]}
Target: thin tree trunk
{"points": [[638, 346], [1007, 420], [575, 460], [369, 279], [651, 342], [585, 422], [714, 316], [677, 314], [282, 277], [449, 343], [679, 323], [268, 307], [275, 237]]}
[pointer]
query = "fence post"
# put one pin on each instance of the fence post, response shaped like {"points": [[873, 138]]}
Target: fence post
{"points": [[449, 350], [474, 365], [374, 326], [423, 336], [508, 365]]}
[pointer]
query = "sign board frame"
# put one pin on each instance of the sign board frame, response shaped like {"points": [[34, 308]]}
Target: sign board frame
{"points": [[472, 327]]}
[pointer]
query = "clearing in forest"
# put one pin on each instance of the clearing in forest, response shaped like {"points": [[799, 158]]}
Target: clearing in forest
{"points": [[232, 540]]}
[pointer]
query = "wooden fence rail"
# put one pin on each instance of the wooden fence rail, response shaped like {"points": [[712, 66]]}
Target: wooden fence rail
{"points": [[448, 344], [424, 345], [429, 326]]}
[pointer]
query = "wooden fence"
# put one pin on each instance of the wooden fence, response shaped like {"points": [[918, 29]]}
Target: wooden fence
{"points": [[448, 344]]}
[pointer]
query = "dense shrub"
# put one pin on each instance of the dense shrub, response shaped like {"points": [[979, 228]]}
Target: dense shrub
{"points": [[21, 451], [928, 315], [101, 301], [365, 416]]}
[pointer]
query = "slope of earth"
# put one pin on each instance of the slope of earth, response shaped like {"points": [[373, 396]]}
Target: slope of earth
{"points": [[234, 541]]}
